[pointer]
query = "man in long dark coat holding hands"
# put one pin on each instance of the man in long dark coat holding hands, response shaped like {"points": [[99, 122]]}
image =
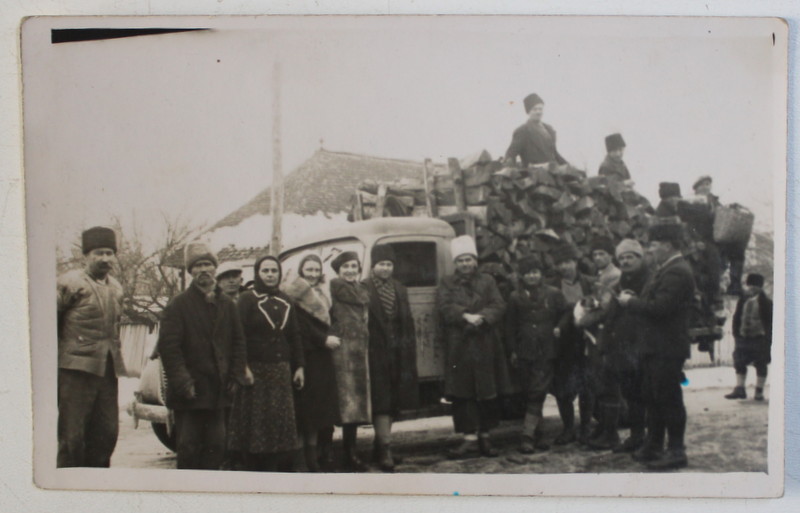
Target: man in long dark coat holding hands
{"points": [[664, 307], [202, 347], [534, 142]]}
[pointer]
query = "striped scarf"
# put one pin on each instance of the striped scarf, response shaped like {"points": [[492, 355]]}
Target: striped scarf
{"points": [[386, 295]]}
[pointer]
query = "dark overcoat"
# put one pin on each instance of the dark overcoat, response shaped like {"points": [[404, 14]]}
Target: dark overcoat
{"points": [[534, 146], [621, 336], [531, 318], [665, 306], [201, 342], [349, 322], [475, 363], [392, 353]]}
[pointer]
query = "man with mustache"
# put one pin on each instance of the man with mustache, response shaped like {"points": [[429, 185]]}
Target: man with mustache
{"points": [[202, 347], [89, 303]]}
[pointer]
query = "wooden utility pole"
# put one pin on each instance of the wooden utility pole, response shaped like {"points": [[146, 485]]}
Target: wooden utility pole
{"points": [[276, 199]]}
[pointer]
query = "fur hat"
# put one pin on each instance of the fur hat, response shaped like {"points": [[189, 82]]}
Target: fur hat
{"points": [[528, 264], [669, 190], [531, 101], [701, 180], [603, 244], [665, 232], [629, 246], [564, 252], [463, 245], [195, 251], [343, 258], [614, 142], [755, 280], [381, 253], [98, 237]]}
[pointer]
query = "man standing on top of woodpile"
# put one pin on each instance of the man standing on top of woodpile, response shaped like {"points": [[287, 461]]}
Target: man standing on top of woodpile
{"points": [[534, 142], [613, 165], [202, 347], [89, 306], [572, 373], [752, 332], [664, 307], [471, 308], [607, 273], [619, 348]]}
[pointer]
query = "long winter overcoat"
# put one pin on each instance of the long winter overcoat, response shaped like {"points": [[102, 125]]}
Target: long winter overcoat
{"points": [[531, 319], [665, 306], [349, 318], [202, 343], [392, 352], [475, 364]]}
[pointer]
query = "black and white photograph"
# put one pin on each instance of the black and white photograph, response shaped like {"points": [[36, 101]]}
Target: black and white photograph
{"points": [[430, 255]]}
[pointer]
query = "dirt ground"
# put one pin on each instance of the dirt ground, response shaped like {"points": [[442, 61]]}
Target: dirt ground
{"points": [[721, 436]]}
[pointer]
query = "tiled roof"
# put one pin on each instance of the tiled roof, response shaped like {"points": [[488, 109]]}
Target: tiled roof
{"points": [[325, 183]]}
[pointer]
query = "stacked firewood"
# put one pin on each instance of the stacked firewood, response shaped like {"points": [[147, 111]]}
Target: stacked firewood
{"points": [[517, 212]]}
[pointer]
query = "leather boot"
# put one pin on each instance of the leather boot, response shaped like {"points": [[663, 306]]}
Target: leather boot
{"points": [[609, 438], [738, 393], [670, 460], [325, 450], [385, 460], [350, 460], [529, 427], [466, 449], [759, 394], [310, 453], [485, 446], [376, 453]]}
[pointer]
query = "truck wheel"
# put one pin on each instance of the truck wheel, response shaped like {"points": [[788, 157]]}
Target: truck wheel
{"points": [[168, 439]]}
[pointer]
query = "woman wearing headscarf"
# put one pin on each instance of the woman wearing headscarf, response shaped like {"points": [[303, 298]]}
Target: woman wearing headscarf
{"points": [[392, 351], [317, 404], [263, 427], [349, 335]]}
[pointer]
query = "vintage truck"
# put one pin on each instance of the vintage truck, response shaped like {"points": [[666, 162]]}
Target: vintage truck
{"points": [[422, 247]]}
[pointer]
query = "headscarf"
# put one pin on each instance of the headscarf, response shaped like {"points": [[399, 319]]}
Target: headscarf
{"points": [[258, 284]]}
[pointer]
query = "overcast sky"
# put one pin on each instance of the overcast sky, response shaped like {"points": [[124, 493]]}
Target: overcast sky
{"points": [[181, 123]]}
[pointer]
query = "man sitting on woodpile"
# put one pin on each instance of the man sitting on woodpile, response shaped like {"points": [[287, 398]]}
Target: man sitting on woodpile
{"points": [[534, 142], [613, 165]]}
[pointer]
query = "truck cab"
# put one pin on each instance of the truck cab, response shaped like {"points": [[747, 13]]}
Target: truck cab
{"points": [[422, 250]]}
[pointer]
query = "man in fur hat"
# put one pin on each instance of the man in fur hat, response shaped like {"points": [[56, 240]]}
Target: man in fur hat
{"points": [[534, 142], [470, 309], [664, 308], [202, 347], [613, 165], [752, 333], [89, 305]]}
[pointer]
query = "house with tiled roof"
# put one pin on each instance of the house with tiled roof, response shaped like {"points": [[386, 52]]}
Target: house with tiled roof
{"points": [[317, 193]]}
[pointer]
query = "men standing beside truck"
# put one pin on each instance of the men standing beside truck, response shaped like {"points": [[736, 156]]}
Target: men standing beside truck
{"points": [[470, 308], [534, 311], [534, 142], [752, 333], [664, 308], [202, 348], [89, 306]]}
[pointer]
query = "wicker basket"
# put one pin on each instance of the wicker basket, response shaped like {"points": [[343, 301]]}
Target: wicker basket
{"points": [[733, 224]]}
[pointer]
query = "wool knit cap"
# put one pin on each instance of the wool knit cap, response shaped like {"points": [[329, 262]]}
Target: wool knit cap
{"points": [[381, 253], [228, 268], [603, 244], [528, 264], [98, 237], [755, 280], [343, 258], [614, 142], [665, 232], [563, 253], [463, 245], [195, 251], [700, 181], [669, 190], [531, 101], [629, 246]]}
